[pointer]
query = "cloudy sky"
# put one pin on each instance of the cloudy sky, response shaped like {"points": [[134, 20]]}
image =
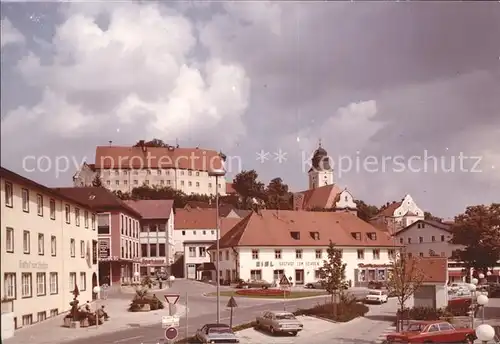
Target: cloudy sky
{"points": [[388, 83]]}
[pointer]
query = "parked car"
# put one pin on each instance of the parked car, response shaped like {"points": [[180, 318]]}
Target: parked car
{"points": [[377, 296], [279, 322], [432, 332], [216, 333], [314, 285], [253, 284], [375, 285], [494, 290]]}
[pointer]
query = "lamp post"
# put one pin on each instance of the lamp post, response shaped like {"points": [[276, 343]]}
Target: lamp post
{"points": [[485, 333], [217, 173], [136, 275], [171, 280], [97, 290], [482, 300], [472, 289]]}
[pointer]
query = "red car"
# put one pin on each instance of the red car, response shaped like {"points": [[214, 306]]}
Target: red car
{"points": [[432, 332]]}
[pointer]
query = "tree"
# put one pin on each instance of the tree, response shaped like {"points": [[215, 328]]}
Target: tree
{"points": [[366, 211], [332, 274], [97, 182], [430, 217], [152, 143], [247, 185], [278, 196], [478, 230], [405, 277]]}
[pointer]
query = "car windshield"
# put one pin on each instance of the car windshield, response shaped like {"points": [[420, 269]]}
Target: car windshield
{"points": [[374, 293], [285, 316], [415, 327], [218, 330]]}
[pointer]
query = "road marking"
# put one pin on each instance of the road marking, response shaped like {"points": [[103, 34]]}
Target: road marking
{"points": [[127, 339]]}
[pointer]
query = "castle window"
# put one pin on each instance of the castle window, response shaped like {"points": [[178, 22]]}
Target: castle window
{"points": [[295, 235], [314, 235], [372, 235], [356, 235]]}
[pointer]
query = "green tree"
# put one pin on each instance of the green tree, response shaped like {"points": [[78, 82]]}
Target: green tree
{"points": [[430, 217], [278, 196], [152, 143], [405, 276], [478, 230], [248, 187], [332, 274], [366, 211], [97, 182]]}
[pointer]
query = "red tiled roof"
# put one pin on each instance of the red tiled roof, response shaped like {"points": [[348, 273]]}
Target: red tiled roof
{"points": [[226, 224], [322, 197], [440, 225], [272, 228], [390, 209], [435, 269], [195, 218], [152, 209], [112, 157], [97, 198]]}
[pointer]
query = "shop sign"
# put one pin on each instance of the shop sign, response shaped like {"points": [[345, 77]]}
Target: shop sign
{"points": [[27, 264], [271, 264], [149, 261], [104, 249]]}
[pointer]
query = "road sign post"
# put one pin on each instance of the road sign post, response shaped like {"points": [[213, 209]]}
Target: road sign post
{"points": [[171, 334], [231, 304], [171, 300], [284, 286]]}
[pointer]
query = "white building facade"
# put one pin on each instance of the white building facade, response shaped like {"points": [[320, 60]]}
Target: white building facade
{"points": [[49, 247]]}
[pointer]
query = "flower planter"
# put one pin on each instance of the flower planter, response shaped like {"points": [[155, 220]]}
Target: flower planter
{"points": [[84, 323], [145, 308], [263, 292], [67, 322]]}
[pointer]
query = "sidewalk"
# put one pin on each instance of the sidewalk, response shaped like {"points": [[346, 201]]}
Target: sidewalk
{"points": [[51, 331]]}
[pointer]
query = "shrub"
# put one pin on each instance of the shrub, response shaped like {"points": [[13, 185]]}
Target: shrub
{"points": [[141, 298], [263, 292], [147, 282], [425, 313], [375, 285], [459, 306], [347, 309]]}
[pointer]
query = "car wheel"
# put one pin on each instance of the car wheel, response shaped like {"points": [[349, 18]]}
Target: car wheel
{"points": [[271, 329], [257, 324], [469, 339], [294, 333]]}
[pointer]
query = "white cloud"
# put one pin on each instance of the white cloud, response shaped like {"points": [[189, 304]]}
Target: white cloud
{"points": [[10, 35], [140, 66]]}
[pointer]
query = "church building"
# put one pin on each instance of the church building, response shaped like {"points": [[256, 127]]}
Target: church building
{"points": [[323, 192]]}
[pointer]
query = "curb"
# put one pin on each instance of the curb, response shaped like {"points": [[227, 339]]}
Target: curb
{"points": [[382, 337]]}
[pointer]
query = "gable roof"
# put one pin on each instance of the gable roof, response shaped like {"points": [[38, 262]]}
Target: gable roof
{"points": [[321, 197], [439, 225], [195, 218], [17, 178], [389, 210], [435, 269], [272, 228], [97, 198], [152, 209], [113, 157]]}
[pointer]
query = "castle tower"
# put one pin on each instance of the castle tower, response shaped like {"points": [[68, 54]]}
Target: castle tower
{"points": [[321, 172]]}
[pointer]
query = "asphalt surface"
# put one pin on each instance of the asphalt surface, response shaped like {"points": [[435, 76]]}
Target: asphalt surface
{"points": [[189, 325]]}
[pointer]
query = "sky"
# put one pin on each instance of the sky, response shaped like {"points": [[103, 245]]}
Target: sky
{"points": [[404, 96]]}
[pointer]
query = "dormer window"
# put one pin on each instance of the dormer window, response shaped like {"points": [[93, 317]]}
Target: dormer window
{"points": [[295, 235], [314, 235], [356, 235], [372, 236]]}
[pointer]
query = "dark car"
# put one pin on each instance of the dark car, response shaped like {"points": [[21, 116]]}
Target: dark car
{"points": [[254, 284], [314, 285]]}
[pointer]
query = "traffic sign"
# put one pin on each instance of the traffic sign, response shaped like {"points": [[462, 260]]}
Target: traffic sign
{"points": [[284, 281], [231, 303], [171, 298], [170, 321], [171, 333]]}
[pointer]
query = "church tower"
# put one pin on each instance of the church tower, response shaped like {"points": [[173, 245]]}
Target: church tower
{"points": [[321, 172]]}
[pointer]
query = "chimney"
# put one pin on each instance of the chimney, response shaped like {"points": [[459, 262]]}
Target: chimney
{"points": [[110, 143]]}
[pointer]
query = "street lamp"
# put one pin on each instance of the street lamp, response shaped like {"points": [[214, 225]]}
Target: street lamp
{"points": [[217, 173], [485, 333], [97, 290], [482, 300], [474, 281], [171, 280], [472, 289]]}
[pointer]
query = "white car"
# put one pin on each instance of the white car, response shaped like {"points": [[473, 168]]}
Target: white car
{"points": [[377, 296]]}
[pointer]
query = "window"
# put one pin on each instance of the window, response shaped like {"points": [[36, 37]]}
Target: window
{"points": [[39, 205], [54, 312], [298, 254], [82, 249], [9, 240], [40, 283], [27, 319], [72, 281], [102, 224], [117, 182], [26, 200], [86, 219], [255, 254], [197, 184], [227, 255], [77, 217], [356, 235], [54, 283], [256, 275], [277, 254], [376, 254], [161, 249], [401, 240], [41, 316], [83, 281], [442, 237], [190, 173], [391, 253], [53, 246], [192, 251], [319, 253], [41, 244], [445, 327], [93, 222], [9, 195], [26, 284], [194, 232], [67, 211], [122, 225], [420, 239], [433, 238], [421, 254], [136, 182], [409, 240], [190, 183], [9, 285], [197, 174], [152, 250], [26, 242], [361, 254], [72, 247], [277, 274], [52, 206], [203, 251], [144, 250]]}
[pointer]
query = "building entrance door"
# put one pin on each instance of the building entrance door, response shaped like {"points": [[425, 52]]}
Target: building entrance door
{"points": [[191, 271], [299, 277]]}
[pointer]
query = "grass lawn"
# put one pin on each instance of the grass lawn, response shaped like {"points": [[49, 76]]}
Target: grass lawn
{"points": [[292, 295]]}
